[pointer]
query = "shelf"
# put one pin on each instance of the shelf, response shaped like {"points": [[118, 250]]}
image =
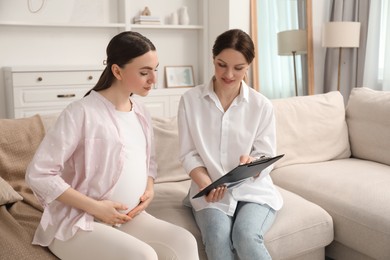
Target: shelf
{"points": [[92, 25], [53, 68], [166, 26], [108, 25]]}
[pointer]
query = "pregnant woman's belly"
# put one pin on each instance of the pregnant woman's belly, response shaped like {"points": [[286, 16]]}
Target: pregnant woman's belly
{"points": [[131, 184]]}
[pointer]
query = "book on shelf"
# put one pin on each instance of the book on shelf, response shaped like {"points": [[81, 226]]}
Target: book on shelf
{"points": [[146, 19], [148, 22]]}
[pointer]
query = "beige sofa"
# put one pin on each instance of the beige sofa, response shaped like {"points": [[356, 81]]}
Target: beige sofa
{"points": [[312, 132], [340, 163]]}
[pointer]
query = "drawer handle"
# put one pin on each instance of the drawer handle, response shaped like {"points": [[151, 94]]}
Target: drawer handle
{"points": [[66, 95], [39, 79], [90, 77]]}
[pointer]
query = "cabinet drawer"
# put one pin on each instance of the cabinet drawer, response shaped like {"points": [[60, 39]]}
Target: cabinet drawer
{"points": [[39, 97], [51, 78], [157, 106]]}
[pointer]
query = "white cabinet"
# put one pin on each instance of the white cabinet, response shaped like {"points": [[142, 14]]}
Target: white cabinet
{"points": [[163, 102], [31, 91], [46, 90]]}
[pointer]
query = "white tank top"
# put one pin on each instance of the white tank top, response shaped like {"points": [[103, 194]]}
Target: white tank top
{"points": [[132, 182]]}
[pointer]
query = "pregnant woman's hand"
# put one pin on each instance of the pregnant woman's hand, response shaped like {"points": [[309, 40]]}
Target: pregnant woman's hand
{"points": [[145, 199], [108, 212]]}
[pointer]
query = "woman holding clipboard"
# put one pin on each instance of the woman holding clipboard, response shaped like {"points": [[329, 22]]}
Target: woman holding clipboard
{"points": [[223, 124]]}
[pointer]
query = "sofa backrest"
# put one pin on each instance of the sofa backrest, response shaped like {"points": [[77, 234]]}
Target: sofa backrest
{"points": [[368, 119], [167, 150], [311, 129]]}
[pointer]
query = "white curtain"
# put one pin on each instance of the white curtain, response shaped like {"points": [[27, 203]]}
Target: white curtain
{"points": [[377, 66], [276, 73]]}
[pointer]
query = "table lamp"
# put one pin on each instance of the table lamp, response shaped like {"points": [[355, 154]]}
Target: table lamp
{"points": [[341, 35]]}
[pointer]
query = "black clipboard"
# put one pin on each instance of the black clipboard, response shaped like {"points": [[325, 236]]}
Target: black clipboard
{"points": [[240, 173]]}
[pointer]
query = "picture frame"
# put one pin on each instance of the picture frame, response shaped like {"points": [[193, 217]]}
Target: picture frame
{"points": [[179, 76]]}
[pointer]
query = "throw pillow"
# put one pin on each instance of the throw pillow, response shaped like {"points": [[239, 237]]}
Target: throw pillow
{"points": [[311, 129], [18, 141], [7, 193], [368, 118], [166, 141]]}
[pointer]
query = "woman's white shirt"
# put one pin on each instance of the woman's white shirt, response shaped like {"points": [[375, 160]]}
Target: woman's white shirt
{"points": [[213, 138], [131, 184]]}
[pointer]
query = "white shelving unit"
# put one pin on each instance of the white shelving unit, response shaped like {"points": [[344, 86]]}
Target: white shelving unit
{"points": [[80, 25], [176, 44], [168, 27], [189, 42]]}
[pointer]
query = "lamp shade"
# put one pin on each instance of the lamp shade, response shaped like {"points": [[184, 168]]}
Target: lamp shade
{"points": [[341, 34], [292, 41]]}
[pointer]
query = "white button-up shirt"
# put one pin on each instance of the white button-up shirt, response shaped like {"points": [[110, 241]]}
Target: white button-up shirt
{"points": [[215, 139], [83, 150]]}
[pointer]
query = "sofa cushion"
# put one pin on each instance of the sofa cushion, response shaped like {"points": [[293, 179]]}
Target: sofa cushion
{"points": [[7, 193], [368, 119], [168, 205], [167, 150], [311, 128], [300, 227], [18, 141], [354, 192]]}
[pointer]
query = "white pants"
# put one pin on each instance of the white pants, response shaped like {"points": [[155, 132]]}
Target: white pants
{"points": [[144, 237]]}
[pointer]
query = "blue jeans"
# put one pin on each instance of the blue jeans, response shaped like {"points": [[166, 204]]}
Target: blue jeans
{"points": [[242, 235]]}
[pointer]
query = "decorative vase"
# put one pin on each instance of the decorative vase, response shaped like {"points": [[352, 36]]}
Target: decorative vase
{"points": [[174, 18], [184, 18]]}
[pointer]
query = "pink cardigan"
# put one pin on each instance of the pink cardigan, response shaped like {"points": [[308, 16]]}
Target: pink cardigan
{"points": [[83, 150]]}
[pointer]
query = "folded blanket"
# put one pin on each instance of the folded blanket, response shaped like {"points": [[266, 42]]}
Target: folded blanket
{"points": [[18, 220], [17, 227], [19, 140]]}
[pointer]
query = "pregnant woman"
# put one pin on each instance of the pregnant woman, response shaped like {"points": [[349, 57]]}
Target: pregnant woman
{"points": [[94, 170]]}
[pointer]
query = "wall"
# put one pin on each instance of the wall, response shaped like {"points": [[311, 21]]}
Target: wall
{"points": [[224, 15]]}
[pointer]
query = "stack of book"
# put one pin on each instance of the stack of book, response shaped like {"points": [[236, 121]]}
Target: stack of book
{"points": [[147, 19]]}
